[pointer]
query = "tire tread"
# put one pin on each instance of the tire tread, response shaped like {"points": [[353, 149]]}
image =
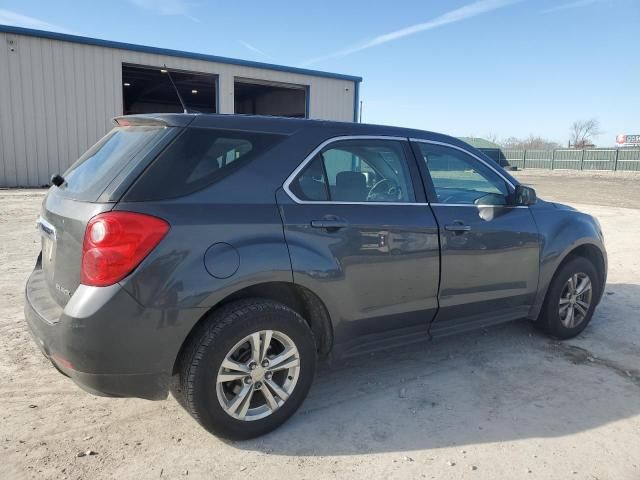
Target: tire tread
{"points": [[207, 332], [548, 320]]}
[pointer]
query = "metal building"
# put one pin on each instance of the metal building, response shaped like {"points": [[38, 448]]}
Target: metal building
{"points": [[58, 94]]}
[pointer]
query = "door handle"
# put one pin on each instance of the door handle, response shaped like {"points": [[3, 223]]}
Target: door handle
{"points": [[457, 228], [330, 224]]}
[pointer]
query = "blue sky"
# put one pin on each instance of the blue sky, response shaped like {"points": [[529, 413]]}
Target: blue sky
{"points": [[462, 67]]}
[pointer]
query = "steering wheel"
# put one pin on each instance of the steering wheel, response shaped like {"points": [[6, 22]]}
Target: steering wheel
{"points": [[379, 192]]}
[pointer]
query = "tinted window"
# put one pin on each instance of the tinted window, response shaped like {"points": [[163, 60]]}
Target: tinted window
{"points": [[357, 171], [198, 158], [311, 184], [458, 178], [87, 178]]}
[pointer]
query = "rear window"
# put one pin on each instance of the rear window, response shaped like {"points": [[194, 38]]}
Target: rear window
{"points": [[198, 158], [88, 177]]}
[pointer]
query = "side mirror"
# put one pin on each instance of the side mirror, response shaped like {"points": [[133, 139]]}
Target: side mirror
{"points": [[525, 195]]}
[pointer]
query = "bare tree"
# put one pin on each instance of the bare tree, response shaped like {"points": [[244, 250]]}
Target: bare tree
{"points": [[532, 142], [583, 131], [492, 137]]}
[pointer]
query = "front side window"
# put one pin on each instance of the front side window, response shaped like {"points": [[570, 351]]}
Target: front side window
{"points": [[356, 171], [458, 178]]}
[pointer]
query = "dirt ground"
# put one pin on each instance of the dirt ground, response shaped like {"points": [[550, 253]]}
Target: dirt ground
{"points": [[506, 402], [613, 189]]}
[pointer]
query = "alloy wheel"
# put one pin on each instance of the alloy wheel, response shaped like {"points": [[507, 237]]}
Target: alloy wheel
{"points": [[258, 375], [575, 300]]}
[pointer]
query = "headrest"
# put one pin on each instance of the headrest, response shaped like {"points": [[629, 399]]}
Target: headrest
{"points": [[351, 179]]}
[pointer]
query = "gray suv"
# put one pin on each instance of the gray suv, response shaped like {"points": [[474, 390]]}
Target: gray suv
{"points": [[219, 257]]}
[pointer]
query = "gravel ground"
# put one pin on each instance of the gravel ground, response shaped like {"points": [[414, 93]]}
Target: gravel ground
{"points": [[618, 189], [506, 402]]}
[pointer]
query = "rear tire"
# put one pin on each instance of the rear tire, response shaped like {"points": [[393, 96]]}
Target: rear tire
{"points": [[571, 299], [269, 387]]}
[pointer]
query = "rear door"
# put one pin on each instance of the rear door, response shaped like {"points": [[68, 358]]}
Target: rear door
{"points": [[362, 237], [490, 248]]}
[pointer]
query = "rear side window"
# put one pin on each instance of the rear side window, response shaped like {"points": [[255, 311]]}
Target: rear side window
{"points": [[87, 178], [198, 158]]}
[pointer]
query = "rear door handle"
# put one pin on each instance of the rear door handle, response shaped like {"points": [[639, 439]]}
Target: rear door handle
{"points": [[457, 228], [333, 224]]}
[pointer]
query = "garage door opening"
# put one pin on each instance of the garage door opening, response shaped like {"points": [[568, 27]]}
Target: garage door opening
{"points": [[264, 98], [149, 90]]}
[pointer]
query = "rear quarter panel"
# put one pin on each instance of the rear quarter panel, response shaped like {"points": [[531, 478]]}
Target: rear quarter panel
{"points": [[239, 210], [175, 275]]}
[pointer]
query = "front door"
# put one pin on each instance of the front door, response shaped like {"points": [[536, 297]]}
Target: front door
{"points": [[489, 246], [362, 237]]}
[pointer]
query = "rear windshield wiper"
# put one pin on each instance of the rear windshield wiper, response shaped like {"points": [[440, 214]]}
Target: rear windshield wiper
{"points": [[57, 179]]}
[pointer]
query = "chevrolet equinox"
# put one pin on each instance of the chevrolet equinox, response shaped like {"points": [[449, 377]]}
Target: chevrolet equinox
{"points": [[220, 256]]}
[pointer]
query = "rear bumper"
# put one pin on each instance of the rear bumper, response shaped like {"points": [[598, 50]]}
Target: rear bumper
{"points": [[105, 341]]}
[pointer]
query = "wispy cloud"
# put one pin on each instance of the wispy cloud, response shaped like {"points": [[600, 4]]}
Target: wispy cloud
{"points": [[167, 7], [8, 17], [248, 46], [468, 11], [569, 5]]}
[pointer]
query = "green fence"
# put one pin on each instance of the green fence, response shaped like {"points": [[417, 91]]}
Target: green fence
{"points": [[607, 159]]}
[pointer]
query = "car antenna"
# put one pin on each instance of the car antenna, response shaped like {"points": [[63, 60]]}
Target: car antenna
{"points": [[166, 70]]}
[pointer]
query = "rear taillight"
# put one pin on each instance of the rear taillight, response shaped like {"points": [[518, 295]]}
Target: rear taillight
{"points": [[115, 243]]}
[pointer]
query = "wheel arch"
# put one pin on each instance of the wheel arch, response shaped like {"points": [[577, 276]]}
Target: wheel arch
{"points": [[298, 298], [592, 253], [585, 249]]}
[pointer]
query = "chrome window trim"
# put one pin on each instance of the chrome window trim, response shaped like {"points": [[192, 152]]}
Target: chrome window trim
{"points": [[328, 202], [316, 150], [445, 144], [476, 206]]}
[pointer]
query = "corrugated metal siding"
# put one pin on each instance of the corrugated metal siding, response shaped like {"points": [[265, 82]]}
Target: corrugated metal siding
{"points": [[57, 98], [567, 159], [622, 159], [628, 160]]}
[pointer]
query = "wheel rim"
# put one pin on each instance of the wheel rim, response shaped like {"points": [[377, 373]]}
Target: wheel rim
{"points": [[575, 300], [258, 375]]}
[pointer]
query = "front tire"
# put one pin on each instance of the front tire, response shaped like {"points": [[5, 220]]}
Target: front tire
{"points": [[247, 368], [571, 299]]}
